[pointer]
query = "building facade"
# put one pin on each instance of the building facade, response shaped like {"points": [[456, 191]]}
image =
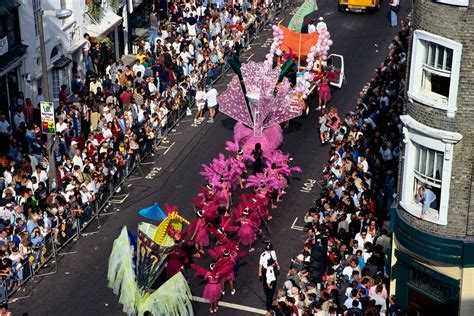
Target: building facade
{"points": [[12, 54], [433, 253], [20, 58]]}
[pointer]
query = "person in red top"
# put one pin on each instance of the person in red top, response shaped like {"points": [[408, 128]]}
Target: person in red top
{"points": [[290, 302], [126, 97], [28, 110], [63, 94], [99, 136]]}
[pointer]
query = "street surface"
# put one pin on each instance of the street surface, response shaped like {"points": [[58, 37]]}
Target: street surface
{"points": [[80, 285]]}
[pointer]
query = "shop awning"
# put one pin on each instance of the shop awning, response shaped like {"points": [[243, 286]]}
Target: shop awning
{"points": [[108, 21], [61, 62], [12, 59], [76, 45]]}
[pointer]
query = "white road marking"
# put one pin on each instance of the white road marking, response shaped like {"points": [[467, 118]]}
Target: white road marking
{"points": [[249, 57], [166, 151], [280, 21], [296, 227], [232, 305], [175, 133]]}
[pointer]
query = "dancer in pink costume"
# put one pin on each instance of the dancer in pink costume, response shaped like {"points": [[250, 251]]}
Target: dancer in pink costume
{"points": [[200, 234], [324, 93], [223, 195], [212, 290], [223, 243], [227, 262], [227, 223], [176, 260], [247, 230]]}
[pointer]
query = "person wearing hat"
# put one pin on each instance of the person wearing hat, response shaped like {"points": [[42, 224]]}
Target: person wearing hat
{"points": [[212, 290], [266, 272], [200, 235], [247, 230], [227, 263]]}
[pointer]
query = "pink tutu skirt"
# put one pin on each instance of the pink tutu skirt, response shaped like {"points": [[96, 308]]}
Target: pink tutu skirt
{"points": [[222, 198], [229, 277], [212, 292], [283, 184], [325, 92], [202, 238], [246, 235]]}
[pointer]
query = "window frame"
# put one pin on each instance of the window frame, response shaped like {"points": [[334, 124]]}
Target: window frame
{"points": [[434, 139], [36, 5], [415, 87], [63, 75]]}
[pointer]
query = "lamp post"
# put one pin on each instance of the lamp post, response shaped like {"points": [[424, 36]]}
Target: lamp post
{"points": [[60, 14]]}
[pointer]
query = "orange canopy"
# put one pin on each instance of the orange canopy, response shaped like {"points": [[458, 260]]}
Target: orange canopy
{"points": [[292, 41]]}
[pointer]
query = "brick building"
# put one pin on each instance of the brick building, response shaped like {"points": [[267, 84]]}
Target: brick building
{"points": [[433, 253]]}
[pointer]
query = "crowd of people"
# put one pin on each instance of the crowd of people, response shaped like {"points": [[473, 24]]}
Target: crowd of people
{"points": [[343, 267], [109, 117]]}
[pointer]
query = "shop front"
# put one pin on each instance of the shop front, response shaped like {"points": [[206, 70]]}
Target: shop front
{"points": [[431, 274], [12, 52], [424, 291]]}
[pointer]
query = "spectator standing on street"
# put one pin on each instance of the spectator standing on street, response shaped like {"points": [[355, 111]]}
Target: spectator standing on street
{"points": [[394, 7], [200, 104], [211, 97], [153, 27]]}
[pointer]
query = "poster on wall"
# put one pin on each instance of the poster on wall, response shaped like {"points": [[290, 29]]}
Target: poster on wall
{"points": [[48, 125], [3, 45]]}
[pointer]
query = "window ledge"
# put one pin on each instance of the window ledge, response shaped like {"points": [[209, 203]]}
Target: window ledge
{"points": [[415, 209], [429, 99], [445, 136]]}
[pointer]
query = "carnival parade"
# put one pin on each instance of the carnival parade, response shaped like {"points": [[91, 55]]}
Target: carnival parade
{"points": [[241, 186]]}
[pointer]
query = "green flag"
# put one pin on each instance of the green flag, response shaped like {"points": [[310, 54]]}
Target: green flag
{"points": [[234, 63], [288, 70], [306, 8]]}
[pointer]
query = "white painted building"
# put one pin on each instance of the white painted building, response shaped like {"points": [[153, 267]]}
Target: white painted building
{"points": [[64, 39]]}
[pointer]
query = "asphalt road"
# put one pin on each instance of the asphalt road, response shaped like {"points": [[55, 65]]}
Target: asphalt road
{"points": [[80, 287]]}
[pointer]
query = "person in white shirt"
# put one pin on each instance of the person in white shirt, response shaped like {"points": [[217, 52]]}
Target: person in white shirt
{"points": [[321, 26], [40, 174], [18, 118], [266, 271], [363, 237], [378, 298], [211, 98], [386, 152], [200, 104], [311, 27], [77, 159], [138, 68], [60, 125], [94, 85], [363, 164]]}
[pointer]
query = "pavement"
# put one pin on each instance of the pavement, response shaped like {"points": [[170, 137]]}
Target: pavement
{"points": [[78, 285]]}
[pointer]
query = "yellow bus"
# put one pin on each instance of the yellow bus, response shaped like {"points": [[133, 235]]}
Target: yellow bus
{"points": [[358, 5]]}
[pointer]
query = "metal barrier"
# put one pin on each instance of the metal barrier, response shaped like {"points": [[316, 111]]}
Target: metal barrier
{"points": [[48, 250]]}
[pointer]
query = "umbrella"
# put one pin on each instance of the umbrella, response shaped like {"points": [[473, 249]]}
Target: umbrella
{"points": [[153, 212]]}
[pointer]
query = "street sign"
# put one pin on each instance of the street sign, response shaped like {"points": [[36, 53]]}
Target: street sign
{"points": [[48, 125]]}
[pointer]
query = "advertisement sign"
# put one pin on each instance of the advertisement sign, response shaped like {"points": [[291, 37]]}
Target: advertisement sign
{"points": [[48, 125]]}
